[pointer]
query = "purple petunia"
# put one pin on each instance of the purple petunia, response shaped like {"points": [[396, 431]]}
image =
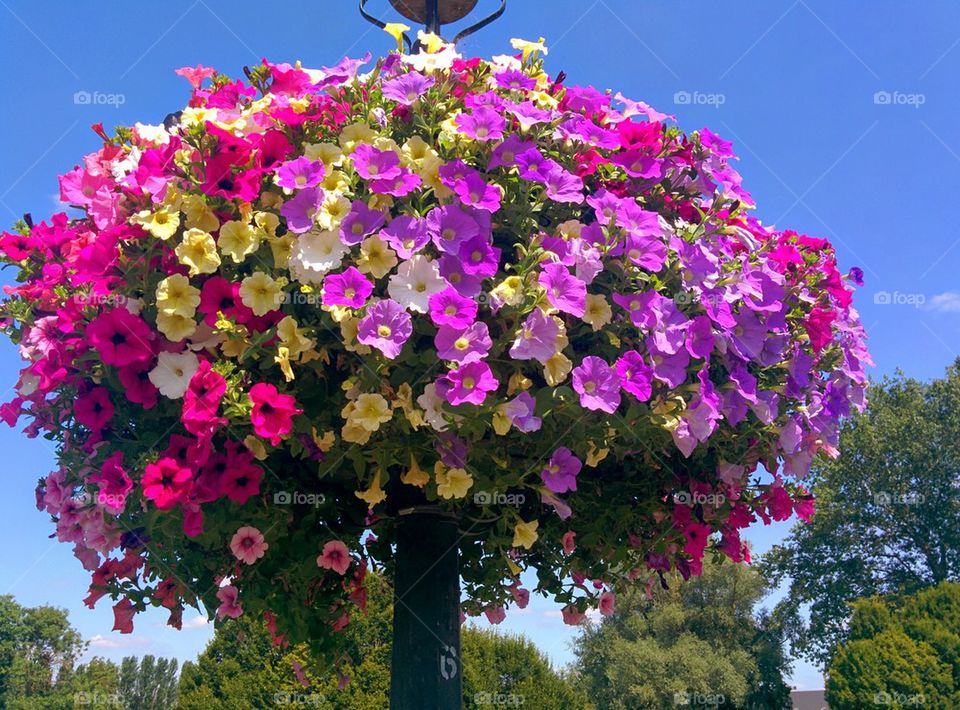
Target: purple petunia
{"points": [[560, 474], [482, 124], [463, 345], [386, 327], [450, 308], [514, 80], [468, 384], [597, 384], [505, 154], [474, 191], [565, 292], [301, 210], [636, 376], [399, 185], [479, 257], [374, 164], [361, 222], [449, 227], [671, 369], [563, 186], [406, 235], [407, 88], [519, 411], [300, 173], [451, 268], [536, 339], [700, 338], [528, 114], [350, 288]]}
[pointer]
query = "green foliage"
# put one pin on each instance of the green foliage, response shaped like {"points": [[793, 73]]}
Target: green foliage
{"points": [[888, 512], [242, 670], [150, 684], [697, 641], [902, 652]]}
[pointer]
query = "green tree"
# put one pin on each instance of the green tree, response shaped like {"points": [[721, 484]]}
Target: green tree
{"points": [[888, 512], [148, 683], [901, 652], [697, 640], [241, 669]]}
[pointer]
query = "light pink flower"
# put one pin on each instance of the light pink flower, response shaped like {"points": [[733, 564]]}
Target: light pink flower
{"points": [[248, 545], [335, 556]]}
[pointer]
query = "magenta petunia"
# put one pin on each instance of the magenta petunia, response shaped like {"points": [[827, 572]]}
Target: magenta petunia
{"points": [[463, 344], [350, 288], [300, 211], [468, 384], [636, 376], [272, 413], [374, 164], [386, 327], [505, 154], [565, 292], [479, 257], [563, 186], [399, 185], [514, 80], [597, 384], [448, 307], [120, 338], [560, 474], [300, 173], [476, 192], [482, 124], [520, 412]]}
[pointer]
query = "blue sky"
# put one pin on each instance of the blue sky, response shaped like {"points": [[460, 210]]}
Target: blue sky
{"points": [[843, 112]]}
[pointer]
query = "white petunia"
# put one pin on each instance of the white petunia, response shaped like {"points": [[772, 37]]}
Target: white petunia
{"points": [[314, 254], [432, 405], [415, 281], [173, 372]]}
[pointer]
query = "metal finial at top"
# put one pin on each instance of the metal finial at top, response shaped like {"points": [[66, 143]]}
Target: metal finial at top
{"points": [[433, 14]]}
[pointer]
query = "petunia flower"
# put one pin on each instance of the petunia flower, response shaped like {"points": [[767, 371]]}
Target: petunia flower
{"points": [[463, 345], [166, 483], [120, 338], [407, 88], [386, 327], [406, 234], [229, 608], [482, 124], [399, 185], [520, 412], [335, 556], [563, 186], [314, 254], [123, 613], [350, 288], [450, 226], [416, 280], [597, 384], [448, 307], [374, 164], [536, 339], [476, 192], [565, 292], [479, 257], [248, 544], [173, 373], [300, 173], [560, 474], [469, 383], [272, 413], [361, 222], [635, 375], [302, 210]]}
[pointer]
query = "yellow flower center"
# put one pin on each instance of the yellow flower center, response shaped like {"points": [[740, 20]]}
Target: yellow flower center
{"points": [[384, 331], [461, 344], [300, 180], [450, 310], [448, 234], [372, 169], [468, 383], [482, 132], [350, 292], [589, 387]]}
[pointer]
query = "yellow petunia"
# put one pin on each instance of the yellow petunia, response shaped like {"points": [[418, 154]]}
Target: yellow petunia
{"points": [[175, 296], [557, 369], [162, 224], [452, 483], [415, 476], [293, 337], [529, 49], [525, 534], [370, 411], [260, 293], [175, 327], [374, 494], [354, 134], [431, 42], [238, 240], [509, 291], [396, 30], [404, 400], [329, 154], [376, 257], [598, 312], [501, 422], [518, 383], [255, 447], [198, 251], [332, 211], [199, 215], [325, 442]]}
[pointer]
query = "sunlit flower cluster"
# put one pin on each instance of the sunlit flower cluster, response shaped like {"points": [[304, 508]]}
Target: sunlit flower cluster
{"points": [[316, 295]]}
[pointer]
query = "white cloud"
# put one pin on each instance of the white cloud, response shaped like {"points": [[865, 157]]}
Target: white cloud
{"points": [[197, 622], [100, 641], [946, 302]]}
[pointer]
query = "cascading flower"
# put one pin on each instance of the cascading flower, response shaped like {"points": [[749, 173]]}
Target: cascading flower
{"points": [[321, 293]]}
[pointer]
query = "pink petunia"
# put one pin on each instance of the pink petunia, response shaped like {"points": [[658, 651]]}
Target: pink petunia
{"points": [[166, 483], [248, 545], [350, 288], [468, 384], [386, 327], [120, 338], [272, 413], [448, 307], [565, 292], [335, 556], [597, 384], [123, 613], [229, 608]]}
